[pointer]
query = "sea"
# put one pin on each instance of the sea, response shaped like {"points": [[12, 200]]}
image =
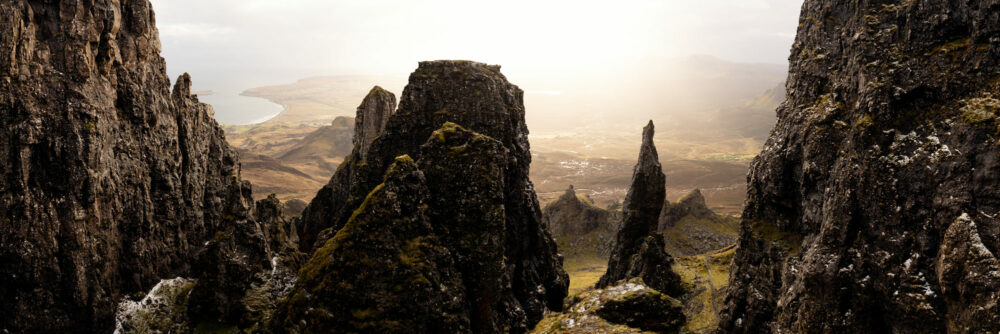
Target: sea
{"points": [[221, 88]]}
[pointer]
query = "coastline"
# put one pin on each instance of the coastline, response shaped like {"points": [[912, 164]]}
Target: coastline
{"points": [[243, 110]]}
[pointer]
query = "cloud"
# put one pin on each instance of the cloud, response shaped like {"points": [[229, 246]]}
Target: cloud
{"points": [[187, 30], [537, 36]]}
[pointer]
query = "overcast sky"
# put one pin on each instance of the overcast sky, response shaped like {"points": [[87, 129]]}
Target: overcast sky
{"points": [[322, 37]]}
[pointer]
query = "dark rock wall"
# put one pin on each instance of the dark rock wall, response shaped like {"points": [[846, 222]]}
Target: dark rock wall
{"points": [[873, 206], [110, 180]]}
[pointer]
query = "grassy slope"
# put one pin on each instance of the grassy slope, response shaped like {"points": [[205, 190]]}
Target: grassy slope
{"points": [[582, 260], [698, 303]]}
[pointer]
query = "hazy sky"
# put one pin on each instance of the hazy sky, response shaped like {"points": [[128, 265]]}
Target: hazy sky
{"points": [[390, 36]]}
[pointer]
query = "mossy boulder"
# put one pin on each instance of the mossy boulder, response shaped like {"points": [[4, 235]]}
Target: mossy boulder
{"points": [[627, 307], [644, 308]]}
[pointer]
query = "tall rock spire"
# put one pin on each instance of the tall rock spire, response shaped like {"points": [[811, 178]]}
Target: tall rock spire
{"points": [[639, 250], [372, 116]]}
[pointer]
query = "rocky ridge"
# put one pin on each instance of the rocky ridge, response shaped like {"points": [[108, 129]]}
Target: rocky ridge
{"points": [[690, 227], [568, 215], [873, 206]]}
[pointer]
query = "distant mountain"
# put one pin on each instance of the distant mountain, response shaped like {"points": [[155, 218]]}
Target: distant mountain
{"points": [[270, 176], [606, 180], [322, 150], [753, 119], [671, 91]]}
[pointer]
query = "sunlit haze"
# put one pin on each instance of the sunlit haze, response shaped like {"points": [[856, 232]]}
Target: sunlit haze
{"points": [[549, 48]]}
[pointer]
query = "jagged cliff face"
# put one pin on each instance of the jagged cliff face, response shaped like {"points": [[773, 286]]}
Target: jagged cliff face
{"points": [[489, 220], [110, 181], [568, 216], [873, 207], [638, 250]]}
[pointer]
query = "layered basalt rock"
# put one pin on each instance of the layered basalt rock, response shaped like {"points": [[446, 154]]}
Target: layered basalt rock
{"points": [[873, 206], [110, 180], [639, 250], [496, 246]]}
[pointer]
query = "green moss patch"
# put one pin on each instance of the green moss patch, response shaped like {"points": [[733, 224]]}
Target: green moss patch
{"points": [[981, 110]]}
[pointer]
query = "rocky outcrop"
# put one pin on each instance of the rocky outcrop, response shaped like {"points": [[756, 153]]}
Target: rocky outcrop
{"points": [[628, 307], [692, 204], [483, 207], [110, 180], [689, 227], [638, 250], [568, 215], [372, 116], [385, 271], [873, 206]]}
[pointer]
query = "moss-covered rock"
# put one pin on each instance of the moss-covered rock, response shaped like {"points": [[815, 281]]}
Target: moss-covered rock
{"points": [[162, 310], [484, 203], [384, 271], [628, 307], [646, 309]]}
